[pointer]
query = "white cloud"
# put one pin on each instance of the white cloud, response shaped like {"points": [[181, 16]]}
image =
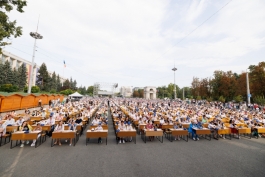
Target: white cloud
{"points": [[136, 42]]}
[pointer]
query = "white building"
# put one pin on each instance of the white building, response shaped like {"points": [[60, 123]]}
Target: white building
{"points": [[126, 91], [16, 62], [150, 92]]}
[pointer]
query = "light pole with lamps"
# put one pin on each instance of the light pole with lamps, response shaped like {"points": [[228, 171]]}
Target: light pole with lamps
{"points": [[174, 69], [36, 36], [248, 92]]}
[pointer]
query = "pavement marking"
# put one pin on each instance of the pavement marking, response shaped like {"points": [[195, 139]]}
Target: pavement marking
{"points": [[9, 172]]}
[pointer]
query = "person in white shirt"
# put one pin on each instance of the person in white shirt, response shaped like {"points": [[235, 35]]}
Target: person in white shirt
{"points": [[99, 127], [20, 121], [59, 127], [10, 121], [2, 128], [121, 127], [50, 122], [96, 121]]}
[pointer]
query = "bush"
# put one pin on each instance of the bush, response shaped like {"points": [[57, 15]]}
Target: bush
{"points": [[67, 92], [8, 88], [259, 100], [25, 89], [238, 99], [199, 98], [53, 91], [35, 89], [221, 99]]}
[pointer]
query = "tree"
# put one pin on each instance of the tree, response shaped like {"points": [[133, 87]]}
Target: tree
{"points": [[257, 79], [53, 82], [74, 85], [22, 77], [90, 90], [136, 94], [71, 84], [43, 78], [58, 83], [66, 84], [7, 74], [9, 28]]}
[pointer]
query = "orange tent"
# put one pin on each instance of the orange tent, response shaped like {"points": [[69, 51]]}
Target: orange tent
{"points": [[43, 98], [61, 98], [9, 103], [28, 101]]}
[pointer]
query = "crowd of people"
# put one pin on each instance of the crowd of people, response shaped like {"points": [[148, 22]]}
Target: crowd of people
{"points": [[197, 114], [152, 113], [56, 116]]}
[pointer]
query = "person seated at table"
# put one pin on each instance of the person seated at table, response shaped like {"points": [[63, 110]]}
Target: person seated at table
{"points": [[43, 114], [234, 128], [149, 126], [20, 121], [192, 131], [59, 117], [26, 128], [10, 121], [204, 120], [122, 127], [59, 128], [175, 126], [79, 121], [72, 126], [99, 127], [127, 122], [214, 129], [37, 128], [96, 120], [2, 128], [50, 122]]}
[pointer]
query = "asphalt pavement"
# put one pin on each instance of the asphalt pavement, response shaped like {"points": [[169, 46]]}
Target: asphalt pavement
{"points": [[243, 157]]}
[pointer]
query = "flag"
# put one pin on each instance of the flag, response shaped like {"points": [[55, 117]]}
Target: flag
{"points": [[64, 63]]}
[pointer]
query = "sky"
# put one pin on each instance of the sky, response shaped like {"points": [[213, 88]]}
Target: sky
{"points": [[136, 43]]}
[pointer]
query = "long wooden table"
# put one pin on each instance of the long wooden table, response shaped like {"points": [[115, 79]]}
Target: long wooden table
{"points": [[179, 132], [157, 133], [97, 134], [244, 131], [21, 136], [127, 133], [205, 131], [260, 130], [224, 132], [66, 134]]}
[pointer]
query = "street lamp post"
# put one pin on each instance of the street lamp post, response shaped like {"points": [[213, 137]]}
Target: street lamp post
{"points": [[174, 69], [248, 92], [36, 36]]}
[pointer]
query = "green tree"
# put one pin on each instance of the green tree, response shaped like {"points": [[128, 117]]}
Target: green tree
{"points": [[9, 28], [90, 90], [66, 84], [53, 82], [7, 73], [43, 78], [58, 83], [22, 77]]}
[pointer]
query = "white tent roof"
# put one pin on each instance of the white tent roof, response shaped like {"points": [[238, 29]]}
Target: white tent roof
{"points": [[76, 94]]}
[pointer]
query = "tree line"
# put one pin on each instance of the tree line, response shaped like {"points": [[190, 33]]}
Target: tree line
{"points": [[230, 86]]}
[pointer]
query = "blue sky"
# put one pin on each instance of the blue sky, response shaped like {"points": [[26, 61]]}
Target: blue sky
{"points": [[136, 43]]}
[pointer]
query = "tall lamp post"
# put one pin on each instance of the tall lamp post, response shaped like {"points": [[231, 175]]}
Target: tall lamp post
{"points": [[36, 36], [174, 69], [248, 92]]}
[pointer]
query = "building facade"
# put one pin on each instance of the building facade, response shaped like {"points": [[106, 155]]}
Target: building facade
{"points": [[16, 62], [126, 91], [150, 92]]}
